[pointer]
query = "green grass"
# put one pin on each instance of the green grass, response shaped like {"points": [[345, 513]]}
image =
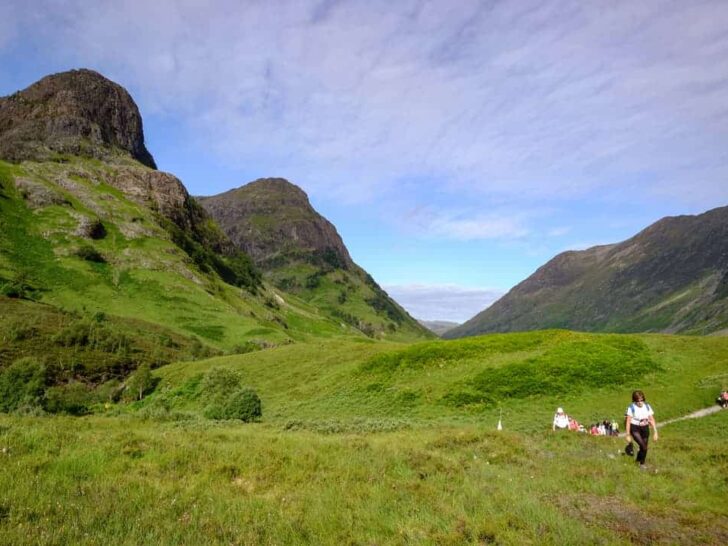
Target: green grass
{"points": [[338, 380], [356, 446], [125, 481]]}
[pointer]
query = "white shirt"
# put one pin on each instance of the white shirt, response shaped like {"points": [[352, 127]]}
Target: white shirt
{"points": [[561, 420], [639, 416]]}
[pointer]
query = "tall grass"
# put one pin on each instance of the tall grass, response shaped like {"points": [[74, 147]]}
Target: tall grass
{"points": [[122, 481]]}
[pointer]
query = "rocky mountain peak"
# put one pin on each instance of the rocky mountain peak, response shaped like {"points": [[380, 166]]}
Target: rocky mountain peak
{"points": [[78, 112], [273, 221]]}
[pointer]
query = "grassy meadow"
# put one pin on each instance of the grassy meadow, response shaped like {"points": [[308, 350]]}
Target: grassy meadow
{"points": [[365, 442]]}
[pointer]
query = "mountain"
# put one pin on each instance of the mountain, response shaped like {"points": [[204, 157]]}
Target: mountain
{"points": [[439, 327], [300, 252], [107, 263], [79, 112], [670, 277]]}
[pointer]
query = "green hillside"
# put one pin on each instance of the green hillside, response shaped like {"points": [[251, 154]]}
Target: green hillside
{"points": [[525, 375], [133, 267], [360, 444]]}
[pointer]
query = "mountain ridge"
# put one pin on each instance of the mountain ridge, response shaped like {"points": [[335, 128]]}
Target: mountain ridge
{"points": [[670, 277]]}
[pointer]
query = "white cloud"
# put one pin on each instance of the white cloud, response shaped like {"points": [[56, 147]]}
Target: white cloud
{"points": [[482, 227], [529, 100], [443, 302]]}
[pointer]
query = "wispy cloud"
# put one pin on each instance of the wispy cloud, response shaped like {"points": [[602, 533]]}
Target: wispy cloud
{"points": [[443, 302], [479, 228], [505, 105], [528, 98]]}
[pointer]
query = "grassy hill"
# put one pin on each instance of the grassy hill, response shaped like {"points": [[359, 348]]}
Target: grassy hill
{"points": [[336, 460], [526, 375]]}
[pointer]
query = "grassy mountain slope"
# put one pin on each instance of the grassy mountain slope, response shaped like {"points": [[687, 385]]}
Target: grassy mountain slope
{"points": [[301, 252], [671, 277], [132, 266]]}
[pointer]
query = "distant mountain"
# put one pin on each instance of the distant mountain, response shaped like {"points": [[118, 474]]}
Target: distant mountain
{"points": [[671, 277], [439, 327], [300, 252]]}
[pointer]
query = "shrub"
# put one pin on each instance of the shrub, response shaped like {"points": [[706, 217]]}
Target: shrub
{"points": [[227, 398], [76, 334], [245, 347], [90, 254], [140, 382], [74, 398], [22, 384], [220, 382], [244, 405], [18, 287], [110, 391]]}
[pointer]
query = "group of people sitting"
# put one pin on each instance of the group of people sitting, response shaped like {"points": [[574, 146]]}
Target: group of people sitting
{"points": [[562, 421]]}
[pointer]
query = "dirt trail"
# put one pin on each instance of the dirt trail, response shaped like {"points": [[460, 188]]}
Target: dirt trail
{"points": [[693, 415]]}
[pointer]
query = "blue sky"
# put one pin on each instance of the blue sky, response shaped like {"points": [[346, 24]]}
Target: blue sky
{"points": [[456, 145]]}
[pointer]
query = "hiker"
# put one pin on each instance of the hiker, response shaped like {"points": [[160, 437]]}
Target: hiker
{"points": [[561, 420], [639, 419], [722, 399]]}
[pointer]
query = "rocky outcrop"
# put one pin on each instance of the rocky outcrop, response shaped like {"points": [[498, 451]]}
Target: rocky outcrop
{"points": [[79, 112], [273, 221], [671, 277]]}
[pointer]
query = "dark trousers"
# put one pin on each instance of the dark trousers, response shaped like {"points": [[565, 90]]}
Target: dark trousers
{"points": [[641, 435]]}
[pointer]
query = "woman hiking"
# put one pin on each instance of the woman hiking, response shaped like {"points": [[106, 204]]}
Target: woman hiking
{"points": [[639, 419]]}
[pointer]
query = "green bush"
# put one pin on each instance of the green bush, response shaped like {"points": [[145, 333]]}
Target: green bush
{"points": [[244, 405], [220, 383], [90, 254], [74, 398], [22, 384], [139, 383], [227, 398], [245, 347]]}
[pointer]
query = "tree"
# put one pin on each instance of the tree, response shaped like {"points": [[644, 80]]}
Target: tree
{"points": [[140, 381]]}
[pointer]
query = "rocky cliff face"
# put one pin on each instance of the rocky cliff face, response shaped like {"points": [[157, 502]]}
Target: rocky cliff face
{"points": [[273, 221], [301, 252], [671, 277], [79, 112]]}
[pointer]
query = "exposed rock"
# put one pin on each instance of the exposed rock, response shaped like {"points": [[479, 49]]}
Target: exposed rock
{"points": [[90, 228], [273, 221], [38, 195], [79, 112]]}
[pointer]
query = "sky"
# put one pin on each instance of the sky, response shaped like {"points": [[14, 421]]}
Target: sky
{"points": [[456, 145]]}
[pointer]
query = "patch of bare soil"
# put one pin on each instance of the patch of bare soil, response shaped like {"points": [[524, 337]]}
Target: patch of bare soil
{"points": [[638, 526]]}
